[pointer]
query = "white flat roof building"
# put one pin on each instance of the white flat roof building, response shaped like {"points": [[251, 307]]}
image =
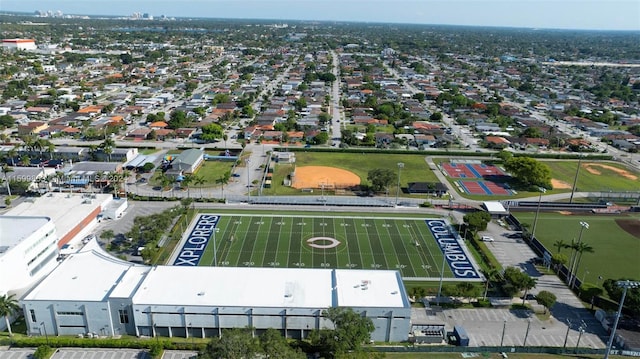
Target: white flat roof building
{"points": [[28, 251], [92, 292], [70, 212]]}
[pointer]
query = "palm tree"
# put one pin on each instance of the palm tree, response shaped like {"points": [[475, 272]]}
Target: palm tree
{"points": [[59, 180], [107, 147], [580, 249], [92, 152], [490, 276], [559, 244], [26, 160], [6, 169], [224, 179], [8, 305], [199, 181], [12, 154], [51, 148], [186, 181], [39, 144], [528, 283]]}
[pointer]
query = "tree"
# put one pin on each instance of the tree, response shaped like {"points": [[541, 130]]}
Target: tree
{"points": [[212, 132], [546, 299], [107, 147], [436, 116], [222, 180], [351, 331], [632, 300], [274, 345], [517, 281], [199, 181], [8, 305], [529, 172], [7, 121], [6, 169], [527, 284], [467, 290], [234, 344], [380, 178], [559, 244], [490, 276], [477, 221], [107, 235], [579, 248], [531, 132], [178, 119]]}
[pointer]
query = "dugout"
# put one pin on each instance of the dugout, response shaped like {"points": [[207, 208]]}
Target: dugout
{"points": [[431, 188], [495, 209]]}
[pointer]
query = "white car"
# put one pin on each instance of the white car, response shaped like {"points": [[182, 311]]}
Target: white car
{"points": [[487, 239]]}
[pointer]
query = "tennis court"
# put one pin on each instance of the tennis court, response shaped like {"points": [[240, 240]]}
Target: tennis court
{"points": [[484, 188], [416, 247], [471, 170]]}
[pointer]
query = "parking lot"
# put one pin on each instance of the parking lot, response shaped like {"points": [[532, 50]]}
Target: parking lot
{"points": [[485, 327]]}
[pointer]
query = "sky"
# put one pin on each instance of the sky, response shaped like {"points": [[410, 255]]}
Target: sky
{"points": [[549, 14]]}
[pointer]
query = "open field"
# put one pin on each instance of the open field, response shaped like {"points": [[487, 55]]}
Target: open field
{"points": [[594, 176], [616, 251], [415, 168], [321, 241]]}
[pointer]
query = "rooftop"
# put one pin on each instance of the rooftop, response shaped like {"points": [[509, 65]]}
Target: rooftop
{"points": [[66, 210], [14, 229], [236, 287], [89, 275]]}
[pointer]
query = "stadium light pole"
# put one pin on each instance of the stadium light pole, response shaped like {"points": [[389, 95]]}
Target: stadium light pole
{"points": [[575, 179], [574, 258], [400, 167], [535, 221], [444, 261], [625, 284]]}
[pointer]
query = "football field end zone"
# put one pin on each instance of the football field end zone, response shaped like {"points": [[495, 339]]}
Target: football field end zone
{"points": [[462, 265], [456, 253], [194, 240]]}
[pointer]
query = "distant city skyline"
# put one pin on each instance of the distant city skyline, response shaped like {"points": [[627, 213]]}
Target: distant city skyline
{"points": [[547, 14]]}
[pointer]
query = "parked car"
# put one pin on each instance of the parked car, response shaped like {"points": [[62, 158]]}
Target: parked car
{"points": [[487, 239]]}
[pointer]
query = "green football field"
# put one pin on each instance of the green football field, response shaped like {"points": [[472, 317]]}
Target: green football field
{"points": [[331, 242]]}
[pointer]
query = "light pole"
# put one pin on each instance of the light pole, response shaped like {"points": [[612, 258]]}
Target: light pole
{"points": [[526, 334], [215, 250], [574, 258], [625, 284], [566, 336], [535, 221], [246, 161], [44, 328], [504, 328], [400, 167], [444, 261], [579, 336]]}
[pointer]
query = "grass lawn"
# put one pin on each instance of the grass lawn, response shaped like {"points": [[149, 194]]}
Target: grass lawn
{"points": [[616, 251], [589, 180], [415, 168]]}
